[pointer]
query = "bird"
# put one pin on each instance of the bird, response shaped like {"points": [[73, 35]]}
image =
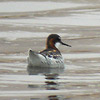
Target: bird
{"points": [[50, 56]]}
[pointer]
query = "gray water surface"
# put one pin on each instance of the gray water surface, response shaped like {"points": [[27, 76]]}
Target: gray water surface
{"points": [[26, 24]]}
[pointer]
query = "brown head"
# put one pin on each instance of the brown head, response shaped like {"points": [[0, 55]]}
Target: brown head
{"points": [[53, 40]]}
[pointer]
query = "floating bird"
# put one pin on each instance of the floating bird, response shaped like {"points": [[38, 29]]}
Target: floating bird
{"points": [[50, 57]]}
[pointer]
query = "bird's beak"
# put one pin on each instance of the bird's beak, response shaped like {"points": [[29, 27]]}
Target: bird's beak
{"points": [[65, 44]]}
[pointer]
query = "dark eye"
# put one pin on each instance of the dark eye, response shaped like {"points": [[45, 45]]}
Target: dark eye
{"points": [[59, 38]]}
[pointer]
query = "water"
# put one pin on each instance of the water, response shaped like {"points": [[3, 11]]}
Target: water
{"points": [[26, 24]]}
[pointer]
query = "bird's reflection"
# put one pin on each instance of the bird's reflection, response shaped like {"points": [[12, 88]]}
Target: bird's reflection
{"points": [[47, 71], [51, 75]]}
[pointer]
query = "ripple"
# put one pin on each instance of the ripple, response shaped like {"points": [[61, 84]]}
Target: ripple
{"points": [[81, 55], [34, 6]]}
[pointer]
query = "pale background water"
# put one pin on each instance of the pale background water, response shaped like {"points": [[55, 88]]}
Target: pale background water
{"points": [[25, 24]]}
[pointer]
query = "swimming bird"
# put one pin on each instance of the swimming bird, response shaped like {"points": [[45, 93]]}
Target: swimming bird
{"points": [[49, 57]]}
